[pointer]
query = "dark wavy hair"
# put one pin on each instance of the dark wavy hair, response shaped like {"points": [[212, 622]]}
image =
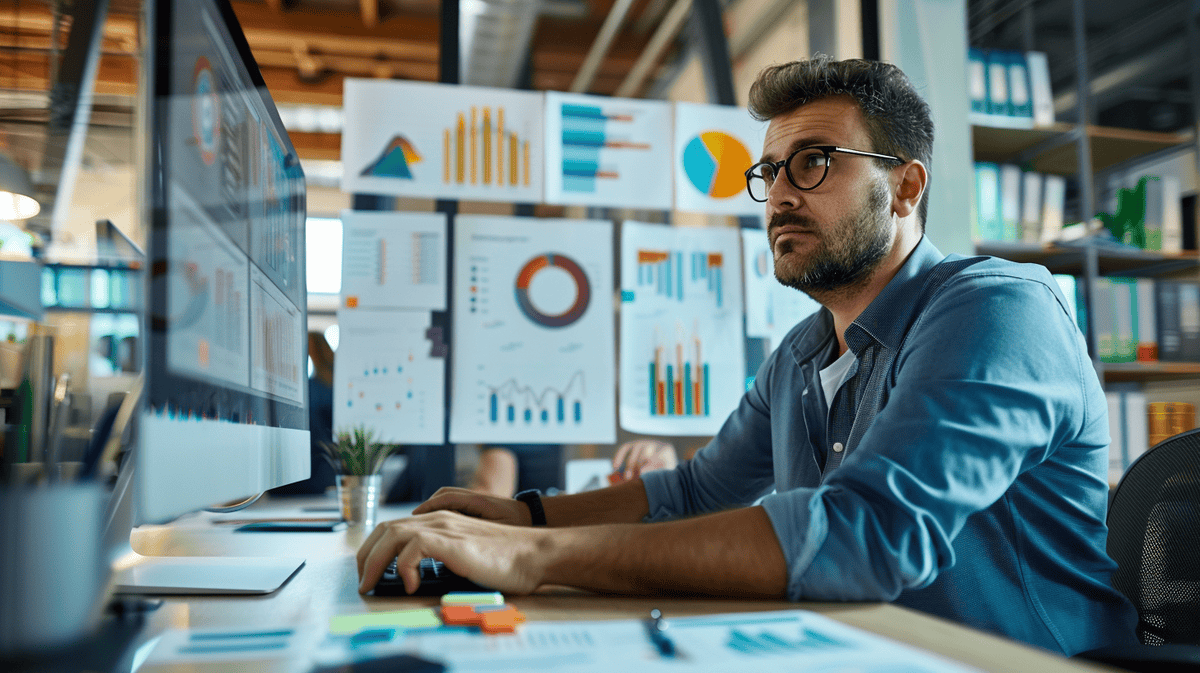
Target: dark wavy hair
{"points": [[898, 120]]}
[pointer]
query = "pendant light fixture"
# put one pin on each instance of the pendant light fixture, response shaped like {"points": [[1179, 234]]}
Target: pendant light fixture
{"points": [[16, 192]]}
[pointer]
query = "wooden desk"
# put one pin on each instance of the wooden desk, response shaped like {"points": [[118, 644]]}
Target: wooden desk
{"points": [[328, 585]]}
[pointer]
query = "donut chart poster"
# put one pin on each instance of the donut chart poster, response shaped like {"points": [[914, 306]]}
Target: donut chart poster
{"points": [[682, 339], [714, 145], [533, 361]]}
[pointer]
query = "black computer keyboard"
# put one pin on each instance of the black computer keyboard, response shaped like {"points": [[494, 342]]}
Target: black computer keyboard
{"points": [[436, 579]]}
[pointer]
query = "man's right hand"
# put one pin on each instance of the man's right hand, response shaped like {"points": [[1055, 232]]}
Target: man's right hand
{"points": [[470, 503]]}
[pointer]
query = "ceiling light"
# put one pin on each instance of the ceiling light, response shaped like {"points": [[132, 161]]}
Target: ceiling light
{"points": [[16, 192]]}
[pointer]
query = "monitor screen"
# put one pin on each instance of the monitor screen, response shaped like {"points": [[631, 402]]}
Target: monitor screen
{"points": [[225, 410]]}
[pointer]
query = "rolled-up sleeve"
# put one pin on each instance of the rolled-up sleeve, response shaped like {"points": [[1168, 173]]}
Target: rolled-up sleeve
{"points": [[983, 388]]}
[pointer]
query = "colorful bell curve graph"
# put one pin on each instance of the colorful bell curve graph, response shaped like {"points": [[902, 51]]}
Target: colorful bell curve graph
{"points": [[716, 164]]}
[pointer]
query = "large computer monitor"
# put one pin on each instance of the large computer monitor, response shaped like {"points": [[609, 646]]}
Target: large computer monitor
{"points": [[224, 405]]}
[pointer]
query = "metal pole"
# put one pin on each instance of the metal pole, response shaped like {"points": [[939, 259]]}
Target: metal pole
{"points": [[714, 51], [1087, 195], [1193, 39]]}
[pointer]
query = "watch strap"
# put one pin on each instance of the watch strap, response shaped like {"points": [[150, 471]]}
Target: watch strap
{"points": [[533, 499]]}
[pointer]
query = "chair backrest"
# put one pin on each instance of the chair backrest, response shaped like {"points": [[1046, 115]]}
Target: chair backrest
{"points": [[1154, 536]]}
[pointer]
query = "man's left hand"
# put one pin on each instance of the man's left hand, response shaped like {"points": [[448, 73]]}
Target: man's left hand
{"points": [[505, 558]]}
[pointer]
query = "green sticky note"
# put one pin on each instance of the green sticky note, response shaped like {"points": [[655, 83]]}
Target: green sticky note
{"points": [[473, 598], [406, 619]]}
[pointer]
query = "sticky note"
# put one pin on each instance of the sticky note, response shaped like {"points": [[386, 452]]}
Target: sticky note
{"points": [[473, 598], [408, 619]]}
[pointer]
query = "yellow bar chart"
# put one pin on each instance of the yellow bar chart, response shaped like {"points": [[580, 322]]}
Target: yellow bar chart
{"points": [[480, 150]]}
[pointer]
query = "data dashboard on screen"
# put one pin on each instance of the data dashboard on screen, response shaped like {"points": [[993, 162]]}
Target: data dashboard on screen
{"points": [[226, 364]]}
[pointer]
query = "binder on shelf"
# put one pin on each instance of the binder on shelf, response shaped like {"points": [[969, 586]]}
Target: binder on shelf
{"points": [[1103, 323], [1040, 94], [1189, 321], [1020, 102], [997, 72], [1122, 293], [977, 80], [1166, 310], [1164, 216], [1054, 198], [1145, 321], [988, 223], [1128, 430], [1070, 289], [1010, 202], [1031, 207]]}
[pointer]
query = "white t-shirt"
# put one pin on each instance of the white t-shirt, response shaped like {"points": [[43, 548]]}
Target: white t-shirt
{"points": [[833, 376]]}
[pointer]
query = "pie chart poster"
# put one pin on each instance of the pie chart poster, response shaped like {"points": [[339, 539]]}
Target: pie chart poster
{"points": [[714, 145], [447, 142], [533, 331]]}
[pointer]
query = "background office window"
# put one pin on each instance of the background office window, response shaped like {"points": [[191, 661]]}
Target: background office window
{"points": [[324, 250]]}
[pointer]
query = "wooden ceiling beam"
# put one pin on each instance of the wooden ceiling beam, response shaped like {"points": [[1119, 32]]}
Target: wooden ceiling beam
{"points": [[410, 35], [321, 146], [370, 12]]}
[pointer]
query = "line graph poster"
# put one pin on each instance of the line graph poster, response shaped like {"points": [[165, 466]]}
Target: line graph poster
{"points": [[449, 142], [603, 151], [714, 145], [533, 355], [772, 310], [393, 260], [682, 342], [385, 377]]}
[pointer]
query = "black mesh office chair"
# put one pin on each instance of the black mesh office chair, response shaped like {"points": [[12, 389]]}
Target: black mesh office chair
{"points": [[1154, 536]]}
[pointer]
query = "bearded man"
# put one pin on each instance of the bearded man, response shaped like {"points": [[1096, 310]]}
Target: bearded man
{"points": [[935, 436]]}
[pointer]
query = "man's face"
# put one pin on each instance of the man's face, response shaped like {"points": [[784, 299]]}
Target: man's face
{"points": [[833, 236]]}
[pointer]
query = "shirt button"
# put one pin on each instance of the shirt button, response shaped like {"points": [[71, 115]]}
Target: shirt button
{"points": [[837, 447]]}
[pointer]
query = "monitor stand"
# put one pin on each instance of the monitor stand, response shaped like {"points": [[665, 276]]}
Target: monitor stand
{"points": [[202, 576], [180, 575]]}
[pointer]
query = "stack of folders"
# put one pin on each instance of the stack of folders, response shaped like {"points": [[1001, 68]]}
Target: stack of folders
{"points": [[1009, 89], [1128, 431], [1125, 315], [1178, 305], [1015, 206]]}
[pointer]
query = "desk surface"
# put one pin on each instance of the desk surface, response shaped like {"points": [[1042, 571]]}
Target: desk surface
{"points": [[328, 585]]}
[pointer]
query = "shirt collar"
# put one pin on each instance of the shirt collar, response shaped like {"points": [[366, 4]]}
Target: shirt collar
{"points": [[887, 317]]}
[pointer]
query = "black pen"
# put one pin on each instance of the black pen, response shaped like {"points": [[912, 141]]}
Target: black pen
{"points": [[655, 627]]}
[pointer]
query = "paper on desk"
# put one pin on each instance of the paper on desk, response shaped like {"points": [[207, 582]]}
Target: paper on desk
{"points": [[714, 643], [215, 645]]}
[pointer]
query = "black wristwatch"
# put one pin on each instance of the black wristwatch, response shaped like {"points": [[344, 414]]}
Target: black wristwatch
{"points": [[533, 498]]}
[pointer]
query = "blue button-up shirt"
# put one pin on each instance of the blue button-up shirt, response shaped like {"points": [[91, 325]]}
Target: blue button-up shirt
{"points": [[964, 474]]}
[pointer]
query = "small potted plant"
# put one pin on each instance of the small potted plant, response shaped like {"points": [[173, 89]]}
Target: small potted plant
{"points": [[357, 457]]}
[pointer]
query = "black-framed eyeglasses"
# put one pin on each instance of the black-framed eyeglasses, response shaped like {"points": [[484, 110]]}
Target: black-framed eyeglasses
{"points": [[806, 169]]}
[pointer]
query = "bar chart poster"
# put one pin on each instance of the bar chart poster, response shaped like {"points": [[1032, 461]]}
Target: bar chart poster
{"points": [[448, 142], [714, 145], [534, 331], [386, 377], [603, 151], [682, 342], [393, 260], [772, 309]]}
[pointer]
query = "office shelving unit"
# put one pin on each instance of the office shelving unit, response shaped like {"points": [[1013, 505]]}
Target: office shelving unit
{"points": [[1080, 152]]}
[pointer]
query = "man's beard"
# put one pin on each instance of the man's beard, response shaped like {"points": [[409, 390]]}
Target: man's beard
{"points": [[845, 254]]}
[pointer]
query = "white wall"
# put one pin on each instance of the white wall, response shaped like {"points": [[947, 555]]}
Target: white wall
{"points": [[927, 39]]}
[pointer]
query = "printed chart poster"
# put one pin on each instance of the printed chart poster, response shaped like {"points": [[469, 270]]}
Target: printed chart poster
{"points": [[393, 260], [385, 377], [682, 343], [533, 337], [446, 142], [772, 310], [604, 151], [714, 145]]}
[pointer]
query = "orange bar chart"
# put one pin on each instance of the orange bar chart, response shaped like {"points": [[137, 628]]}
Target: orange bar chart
{"points": [[479, 150]]}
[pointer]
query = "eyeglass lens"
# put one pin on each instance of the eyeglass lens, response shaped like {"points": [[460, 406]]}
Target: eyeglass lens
{"points": [[806, 168]]}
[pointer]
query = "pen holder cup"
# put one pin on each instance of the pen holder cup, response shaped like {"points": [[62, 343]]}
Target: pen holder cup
{"points": [[359, 496], [53, 569]]}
